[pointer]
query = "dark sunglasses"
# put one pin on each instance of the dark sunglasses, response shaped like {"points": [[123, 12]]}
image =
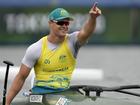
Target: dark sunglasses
{"points": [[61, 23]]}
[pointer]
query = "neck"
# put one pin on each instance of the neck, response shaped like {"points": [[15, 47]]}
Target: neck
{"points": [[55, 39]]}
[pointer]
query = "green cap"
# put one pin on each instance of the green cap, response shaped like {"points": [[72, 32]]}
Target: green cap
{"points": [[59, 14]]}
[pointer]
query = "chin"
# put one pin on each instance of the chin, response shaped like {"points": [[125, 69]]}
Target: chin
{"points": [[63, 34]]}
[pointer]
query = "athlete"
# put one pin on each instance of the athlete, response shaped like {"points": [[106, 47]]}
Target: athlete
{"points": [[53, 57]]}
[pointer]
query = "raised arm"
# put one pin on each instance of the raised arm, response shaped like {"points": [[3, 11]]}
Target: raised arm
{"points": [[89, 25], [17, 83]]}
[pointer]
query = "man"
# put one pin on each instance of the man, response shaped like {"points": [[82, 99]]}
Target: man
{"points": [[53, 56]]}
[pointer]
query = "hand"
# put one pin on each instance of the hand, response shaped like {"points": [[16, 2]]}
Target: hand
{"points": [[95, 11]]}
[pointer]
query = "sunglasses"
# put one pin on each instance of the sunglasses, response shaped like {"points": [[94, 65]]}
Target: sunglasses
{"points": [[61, 23]]}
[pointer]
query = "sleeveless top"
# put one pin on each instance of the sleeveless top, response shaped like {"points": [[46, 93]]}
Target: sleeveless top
{"points": [[54, 67]]}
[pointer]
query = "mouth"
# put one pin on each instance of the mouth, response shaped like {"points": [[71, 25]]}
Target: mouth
{"points": [[63, 29]]}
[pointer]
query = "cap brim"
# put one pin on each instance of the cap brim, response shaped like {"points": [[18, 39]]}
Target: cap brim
{"points": [[62, 18]]}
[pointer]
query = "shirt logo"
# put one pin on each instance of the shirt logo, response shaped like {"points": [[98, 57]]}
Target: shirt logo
{"points": [[62, 58], [47, 61]]}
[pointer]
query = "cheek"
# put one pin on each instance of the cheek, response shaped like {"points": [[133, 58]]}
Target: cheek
{"points": [[57, 30], [54, 28]]}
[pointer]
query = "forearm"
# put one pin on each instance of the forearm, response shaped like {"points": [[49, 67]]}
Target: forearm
{"points": [[15, 88], [87, 29], [89, 26]]}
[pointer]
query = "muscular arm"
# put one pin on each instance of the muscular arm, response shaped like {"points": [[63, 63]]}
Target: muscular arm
{"points": [[89, 25], [17, 83], [28, 62]]}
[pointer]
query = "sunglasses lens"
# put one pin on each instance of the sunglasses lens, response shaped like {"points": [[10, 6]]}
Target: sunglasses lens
{"points": [[61, 23]]}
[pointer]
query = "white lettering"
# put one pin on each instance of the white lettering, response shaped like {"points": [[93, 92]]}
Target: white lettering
{"points": [[24, 23]]}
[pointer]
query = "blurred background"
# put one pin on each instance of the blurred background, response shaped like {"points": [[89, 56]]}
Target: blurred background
{"points": [[24, 22], [113, 49]]}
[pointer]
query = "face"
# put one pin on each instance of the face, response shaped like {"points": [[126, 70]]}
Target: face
{"points": [[60, 28]]}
